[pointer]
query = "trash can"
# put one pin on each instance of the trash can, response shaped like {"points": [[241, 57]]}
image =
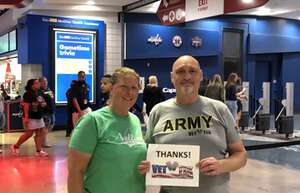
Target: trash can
{"points": [[262, 122], [244, 122], [285, 125]]}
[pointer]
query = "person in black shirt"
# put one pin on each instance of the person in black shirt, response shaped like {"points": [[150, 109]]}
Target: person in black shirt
{"points": [[152, 94], [70, 109], [232, 94], [33, 122], [48, 113], [80, 98]]}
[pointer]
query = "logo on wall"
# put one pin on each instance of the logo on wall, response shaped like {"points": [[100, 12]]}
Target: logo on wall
{"points": [[196, 42], [177, 41], [156, 40]]}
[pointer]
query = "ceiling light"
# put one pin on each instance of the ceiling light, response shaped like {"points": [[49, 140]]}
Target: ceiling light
{"points": [[247, 1], [90, 2], [86, 8]]}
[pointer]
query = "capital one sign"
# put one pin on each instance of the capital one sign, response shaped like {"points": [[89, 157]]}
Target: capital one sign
{"points": [[172, 12]]}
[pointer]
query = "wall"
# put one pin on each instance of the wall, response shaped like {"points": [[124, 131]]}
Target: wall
{"points": [[34, 47], [112, 59], [274, 40]]}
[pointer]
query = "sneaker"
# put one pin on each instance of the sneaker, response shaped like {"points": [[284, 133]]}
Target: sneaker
{"points": [[14, 150], [41, 154]]}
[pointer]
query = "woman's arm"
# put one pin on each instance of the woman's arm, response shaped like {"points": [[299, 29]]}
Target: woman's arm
{"points": [[77, 164], [25, 107]]}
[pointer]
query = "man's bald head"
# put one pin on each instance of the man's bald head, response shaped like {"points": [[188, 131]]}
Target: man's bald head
{"points": [[184, 60], [186, 76]]}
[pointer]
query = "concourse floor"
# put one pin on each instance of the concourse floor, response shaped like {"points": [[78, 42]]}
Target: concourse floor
{"points": [[30, 174]]}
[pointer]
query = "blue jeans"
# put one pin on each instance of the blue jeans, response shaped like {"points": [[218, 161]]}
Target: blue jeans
{"points": [[232, 106]]}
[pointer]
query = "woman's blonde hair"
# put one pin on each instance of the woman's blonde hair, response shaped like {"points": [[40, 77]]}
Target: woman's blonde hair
{"points": [[124, 71], [217, 80]]}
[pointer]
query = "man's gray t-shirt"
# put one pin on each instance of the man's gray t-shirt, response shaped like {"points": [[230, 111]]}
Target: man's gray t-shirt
{"points": [[207, 123]]}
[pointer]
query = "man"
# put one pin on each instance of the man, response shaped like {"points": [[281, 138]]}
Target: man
{"points": [[48, 112], [70, 109], [80, 97], [106, 87], [196, 120]]}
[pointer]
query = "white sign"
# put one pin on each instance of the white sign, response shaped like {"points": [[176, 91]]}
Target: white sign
{"points": [[173, 165], [203, 8]]}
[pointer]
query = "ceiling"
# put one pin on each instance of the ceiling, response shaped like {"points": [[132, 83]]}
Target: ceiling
{"points": [[277, 8]]}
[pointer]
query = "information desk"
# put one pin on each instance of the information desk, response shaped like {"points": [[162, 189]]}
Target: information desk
{"points": [[13, 116]]}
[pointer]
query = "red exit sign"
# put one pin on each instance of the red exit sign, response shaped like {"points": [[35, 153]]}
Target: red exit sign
{"points": [[202, 2]]}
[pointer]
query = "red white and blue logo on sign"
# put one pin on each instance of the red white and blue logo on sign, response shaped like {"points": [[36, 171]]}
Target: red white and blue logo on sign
{"points": [[177, 41]]}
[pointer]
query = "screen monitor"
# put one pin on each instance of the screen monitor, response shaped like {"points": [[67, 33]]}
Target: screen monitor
{"points": [[74, 51]]}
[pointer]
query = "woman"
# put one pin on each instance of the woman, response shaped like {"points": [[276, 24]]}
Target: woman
{"points": [[152, 94], [107, 144], [33, 122], [232, 94], [215, 89]]}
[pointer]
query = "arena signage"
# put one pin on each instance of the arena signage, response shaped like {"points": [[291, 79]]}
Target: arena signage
{"points": [[74, 52]]}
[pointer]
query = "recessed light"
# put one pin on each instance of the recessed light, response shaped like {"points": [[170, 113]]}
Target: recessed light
{"points": [[86, 8], [90, 2], [247, 1]]}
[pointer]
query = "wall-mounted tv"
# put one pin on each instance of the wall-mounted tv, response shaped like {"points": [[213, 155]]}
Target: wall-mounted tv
{"points": [[73, 51]]}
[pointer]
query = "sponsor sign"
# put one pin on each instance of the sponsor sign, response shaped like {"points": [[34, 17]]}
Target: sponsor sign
{"points": [[172, 12], [74, 51], [173, 165], [169, 90]]}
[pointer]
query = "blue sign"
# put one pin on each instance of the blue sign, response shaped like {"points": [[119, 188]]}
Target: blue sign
{"points": [[74, 52]]}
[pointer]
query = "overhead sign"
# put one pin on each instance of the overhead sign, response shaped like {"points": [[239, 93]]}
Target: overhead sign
{"points": [[74, 52], [15, 3], [172, 12]]}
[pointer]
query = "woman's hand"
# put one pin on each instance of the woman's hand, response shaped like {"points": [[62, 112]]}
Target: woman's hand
{"points": [[144, 167], [210, 166]]}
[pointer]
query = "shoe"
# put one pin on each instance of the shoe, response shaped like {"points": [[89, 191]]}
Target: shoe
{"points": [[68, 135], [47, 146], [41, 154], [14, 150]]}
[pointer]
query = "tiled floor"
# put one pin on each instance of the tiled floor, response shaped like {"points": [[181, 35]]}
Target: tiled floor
{"points": [[29, 174]]}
